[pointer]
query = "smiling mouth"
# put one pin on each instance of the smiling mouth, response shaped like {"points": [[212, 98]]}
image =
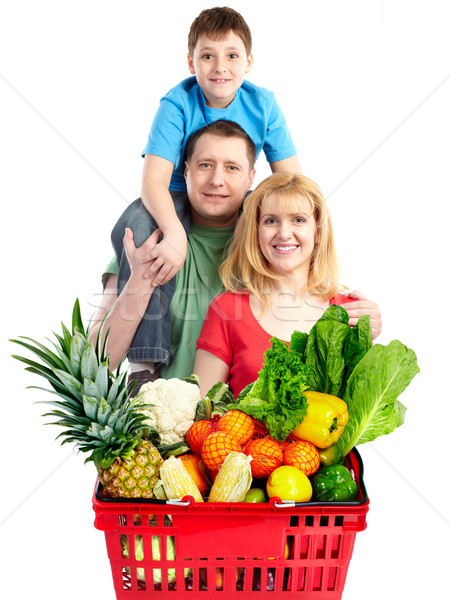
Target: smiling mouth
{"points": [[285, 249], [220, 81], [219, 196]]}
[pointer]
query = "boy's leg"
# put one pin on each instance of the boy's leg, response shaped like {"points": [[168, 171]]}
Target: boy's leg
{"points": [[151, 342]]}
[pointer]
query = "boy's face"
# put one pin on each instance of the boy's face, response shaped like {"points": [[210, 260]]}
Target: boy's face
{"points": [[218, 177], [220, 67]]}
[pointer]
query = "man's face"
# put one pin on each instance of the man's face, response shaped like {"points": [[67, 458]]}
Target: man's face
{"points": [[218, 177]]}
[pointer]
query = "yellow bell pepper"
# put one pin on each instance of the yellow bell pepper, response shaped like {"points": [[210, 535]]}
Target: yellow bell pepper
{"points": [[325, 420]]}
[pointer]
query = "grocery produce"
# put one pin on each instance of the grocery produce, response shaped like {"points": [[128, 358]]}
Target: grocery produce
{"points": [[334, 484], [372, 393], [289, 483], [233, 480], [333, 348], [176, 480], [267, 455], [96, 409], [325, 419], [330, 456], [197, 432], [255, 495], [302, 455], [156, 555], [237, 424], [216, 401], [193, 465], [216, 447], [276, 396], [170, 407]]}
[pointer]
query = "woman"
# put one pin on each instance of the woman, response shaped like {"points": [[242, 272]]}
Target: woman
{"points": [[281, 274]]}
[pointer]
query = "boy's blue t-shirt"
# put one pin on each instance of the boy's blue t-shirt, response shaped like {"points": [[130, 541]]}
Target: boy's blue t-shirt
{"points": [[183, 110]]}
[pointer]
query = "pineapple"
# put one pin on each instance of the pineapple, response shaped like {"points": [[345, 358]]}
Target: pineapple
{"points": [[96, 409]]}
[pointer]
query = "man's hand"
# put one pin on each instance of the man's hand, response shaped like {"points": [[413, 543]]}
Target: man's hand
{"points": [[360, 307], [138, 257], [165, 257]]}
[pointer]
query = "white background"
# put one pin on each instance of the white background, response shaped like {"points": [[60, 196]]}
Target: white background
{"points": [[366, 91]]}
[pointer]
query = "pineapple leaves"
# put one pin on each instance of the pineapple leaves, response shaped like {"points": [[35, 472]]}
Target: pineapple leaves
{"points": [[102, 379], [70, 383], [77, 323], [89, 363], [93, 405]]}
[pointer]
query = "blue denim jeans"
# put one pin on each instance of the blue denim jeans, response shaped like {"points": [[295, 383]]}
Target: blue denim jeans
{"points": [[151, 342]]}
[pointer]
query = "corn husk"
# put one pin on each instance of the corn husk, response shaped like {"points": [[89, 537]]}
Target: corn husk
{"points": [[233, 480]]}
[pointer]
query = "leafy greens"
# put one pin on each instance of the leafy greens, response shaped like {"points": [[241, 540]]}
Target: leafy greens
{"points": [[276, 397], [334, 359]]}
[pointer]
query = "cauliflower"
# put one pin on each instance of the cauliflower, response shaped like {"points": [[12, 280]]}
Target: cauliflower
{"points": [[174, 404]]}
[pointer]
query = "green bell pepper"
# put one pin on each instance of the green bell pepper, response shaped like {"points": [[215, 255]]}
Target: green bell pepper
{"points": [[334, 484], [331, 456]]}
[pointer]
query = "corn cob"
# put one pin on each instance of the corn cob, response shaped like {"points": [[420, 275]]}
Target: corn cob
{"points": [[233, 479], [176, 480]]}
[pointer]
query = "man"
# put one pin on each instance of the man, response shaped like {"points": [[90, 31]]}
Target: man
{"points": [[219, 173]]}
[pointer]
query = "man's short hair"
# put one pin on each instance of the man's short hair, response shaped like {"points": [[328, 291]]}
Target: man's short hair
{"points": [[221, 128], [216, 24]]}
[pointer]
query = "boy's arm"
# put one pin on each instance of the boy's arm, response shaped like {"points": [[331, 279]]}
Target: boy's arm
{"points": [[169, 255], [287, 165]]}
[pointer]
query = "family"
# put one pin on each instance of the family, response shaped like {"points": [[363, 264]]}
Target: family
{"points": [[207, 271]]}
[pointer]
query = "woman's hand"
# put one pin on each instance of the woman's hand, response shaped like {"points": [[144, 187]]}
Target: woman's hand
{"points": [[363, 306]]}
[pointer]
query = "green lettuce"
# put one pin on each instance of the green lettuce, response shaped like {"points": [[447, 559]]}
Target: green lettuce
{"points": [[276, 397], [372, 393], [334, 348]]}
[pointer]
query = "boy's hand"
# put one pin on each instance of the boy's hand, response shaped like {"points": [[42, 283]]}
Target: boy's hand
{"points": [[167, 256], [362, 306]]}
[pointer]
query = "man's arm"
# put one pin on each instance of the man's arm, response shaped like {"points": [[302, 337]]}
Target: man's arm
{"points": [[360, 307], [125, 312], [287, 165]]}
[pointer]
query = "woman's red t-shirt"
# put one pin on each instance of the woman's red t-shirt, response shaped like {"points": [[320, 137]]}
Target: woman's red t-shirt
{"points": [[232, 333]]}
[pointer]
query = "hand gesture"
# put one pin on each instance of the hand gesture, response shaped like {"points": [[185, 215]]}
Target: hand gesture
{"points": [[363, 306]]}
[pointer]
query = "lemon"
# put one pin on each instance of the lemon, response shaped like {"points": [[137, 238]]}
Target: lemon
{"points": [[289, 483]]}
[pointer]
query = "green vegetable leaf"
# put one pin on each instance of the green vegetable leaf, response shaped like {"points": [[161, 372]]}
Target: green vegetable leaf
{"points": [[276, 397], [325, 354], [372, 391]]}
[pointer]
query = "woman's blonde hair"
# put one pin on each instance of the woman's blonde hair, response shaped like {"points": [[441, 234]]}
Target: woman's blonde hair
{"points": [[246, 268]]}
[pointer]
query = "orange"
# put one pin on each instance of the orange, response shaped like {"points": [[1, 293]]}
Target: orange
{"points": [[266, 456], [302, 455], [193, 467], [237, 424], [216, 447], [197, 433], [289, 483]]}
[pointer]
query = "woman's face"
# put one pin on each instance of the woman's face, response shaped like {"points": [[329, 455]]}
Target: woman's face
{"points": [[286, 232]]}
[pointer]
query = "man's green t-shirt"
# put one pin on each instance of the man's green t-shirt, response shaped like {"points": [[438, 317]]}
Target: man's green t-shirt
{"points": [[197, 283]]}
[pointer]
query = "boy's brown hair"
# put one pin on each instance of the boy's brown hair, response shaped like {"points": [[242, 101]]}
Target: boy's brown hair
{"points": [[216, 23]]}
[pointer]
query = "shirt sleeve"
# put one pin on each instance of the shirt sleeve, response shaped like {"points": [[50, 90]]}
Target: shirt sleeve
{"points": [[111, 269], [278, 144], [214, 335], [166, 135]]}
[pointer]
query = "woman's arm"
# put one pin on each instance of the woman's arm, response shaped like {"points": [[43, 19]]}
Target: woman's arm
{"points": [[210, 369]]}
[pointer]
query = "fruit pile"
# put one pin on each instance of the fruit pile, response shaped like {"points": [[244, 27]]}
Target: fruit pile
{"points": [[278, 469], [221, 456]]}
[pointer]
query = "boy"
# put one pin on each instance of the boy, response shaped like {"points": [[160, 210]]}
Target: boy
{"points": [[219, 46]]}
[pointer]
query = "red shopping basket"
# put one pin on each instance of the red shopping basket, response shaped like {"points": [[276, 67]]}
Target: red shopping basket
{"points": [[180, 549]]}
